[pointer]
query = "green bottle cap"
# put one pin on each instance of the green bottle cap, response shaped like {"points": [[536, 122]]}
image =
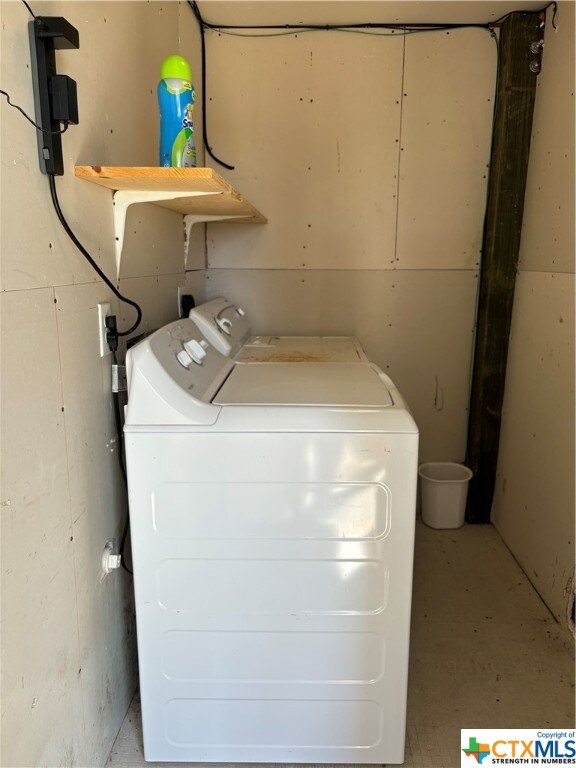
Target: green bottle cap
{"points": [[176, 66]]}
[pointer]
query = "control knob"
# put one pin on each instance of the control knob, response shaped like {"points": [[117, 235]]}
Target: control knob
{"points": [[196, 349], [224, 325], [193, 352]]}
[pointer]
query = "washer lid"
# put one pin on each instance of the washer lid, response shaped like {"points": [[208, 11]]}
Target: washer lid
{"points": [[332, 384], [302, 349]]}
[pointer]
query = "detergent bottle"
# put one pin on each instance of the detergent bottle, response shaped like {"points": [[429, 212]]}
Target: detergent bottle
{"points": [[176, 102]]}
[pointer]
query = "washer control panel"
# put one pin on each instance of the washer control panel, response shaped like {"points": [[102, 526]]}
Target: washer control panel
{"points": [[189, 359]]}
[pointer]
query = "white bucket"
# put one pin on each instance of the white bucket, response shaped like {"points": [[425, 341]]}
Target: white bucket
{"points": [[443, 491]]}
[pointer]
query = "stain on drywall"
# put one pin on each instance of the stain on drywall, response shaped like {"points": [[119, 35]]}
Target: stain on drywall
{"points": [[571, 605], [289, 357], [438, 396]]}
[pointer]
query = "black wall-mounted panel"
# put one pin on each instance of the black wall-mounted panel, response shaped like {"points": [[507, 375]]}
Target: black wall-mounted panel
{"points": [[48, 34]]}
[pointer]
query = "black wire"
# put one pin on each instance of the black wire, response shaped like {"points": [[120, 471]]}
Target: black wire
{"points": [[91, 261], [122, 550], [30, 9], [115, 395], [15, 106], [202, 24], [337, 27], [365, 25], [118, 420], [499, 21], [406, 28], [555, 4], [331, 27], [84, 252]]}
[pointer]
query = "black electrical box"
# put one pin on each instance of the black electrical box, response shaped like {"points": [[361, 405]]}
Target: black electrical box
{"points": [[55, 98], [64, 99]]}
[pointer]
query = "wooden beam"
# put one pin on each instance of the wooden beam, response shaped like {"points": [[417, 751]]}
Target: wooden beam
{"points": [[515, 96]]}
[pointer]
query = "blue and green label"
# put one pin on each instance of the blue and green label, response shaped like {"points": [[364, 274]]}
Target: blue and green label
{"points": [[176, 102]]}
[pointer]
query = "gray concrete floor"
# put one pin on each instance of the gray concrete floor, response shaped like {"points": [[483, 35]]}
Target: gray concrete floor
{"points": [[485, 652]]}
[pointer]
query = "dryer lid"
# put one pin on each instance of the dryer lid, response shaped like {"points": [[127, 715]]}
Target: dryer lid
{"points": [[306, 384]]}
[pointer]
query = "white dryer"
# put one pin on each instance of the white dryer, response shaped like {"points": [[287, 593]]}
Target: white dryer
{"points": [[227, 328], [272, 513]]}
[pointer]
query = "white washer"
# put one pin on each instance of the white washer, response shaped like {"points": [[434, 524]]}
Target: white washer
{"points": [[227, 328], [272, 514]]}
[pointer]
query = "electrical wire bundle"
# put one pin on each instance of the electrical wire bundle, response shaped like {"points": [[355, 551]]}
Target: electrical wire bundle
{"points": [[381, 29]]}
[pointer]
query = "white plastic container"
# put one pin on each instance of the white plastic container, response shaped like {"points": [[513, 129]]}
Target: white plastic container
{"points": [[443, 491]]}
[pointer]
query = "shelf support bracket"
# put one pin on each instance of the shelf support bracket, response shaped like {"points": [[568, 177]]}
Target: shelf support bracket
{"points": [[123, 198], [190, 219]]}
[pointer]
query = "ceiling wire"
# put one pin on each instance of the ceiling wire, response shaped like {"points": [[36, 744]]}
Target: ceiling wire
{"points": [[367, 28], [401, 26], [203, 26]]}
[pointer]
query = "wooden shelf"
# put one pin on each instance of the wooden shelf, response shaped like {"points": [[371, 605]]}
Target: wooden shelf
{"points": [[200, 194], [212, 195]]}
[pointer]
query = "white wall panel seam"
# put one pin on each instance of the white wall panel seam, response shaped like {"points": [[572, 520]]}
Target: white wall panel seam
{"points": [[71, 515], [155, 275], [546, 271], [37, 288], [399, 154], [339, 271]]}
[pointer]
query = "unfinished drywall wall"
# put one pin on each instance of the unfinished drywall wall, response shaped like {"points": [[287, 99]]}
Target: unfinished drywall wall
{"points": [[68, 635], [534, 501], [368, 154]]}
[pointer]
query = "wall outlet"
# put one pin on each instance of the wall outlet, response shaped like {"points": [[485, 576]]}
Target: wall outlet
{"points": [[185, 302], [104, 310]]}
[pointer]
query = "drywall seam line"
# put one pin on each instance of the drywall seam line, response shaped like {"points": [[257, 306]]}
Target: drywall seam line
{"points": [[399, 153], [393, 272], [55, 304]]}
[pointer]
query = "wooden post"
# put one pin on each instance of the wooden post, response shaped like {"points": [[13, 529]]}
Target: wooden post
{"points": [[515, 98]]}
